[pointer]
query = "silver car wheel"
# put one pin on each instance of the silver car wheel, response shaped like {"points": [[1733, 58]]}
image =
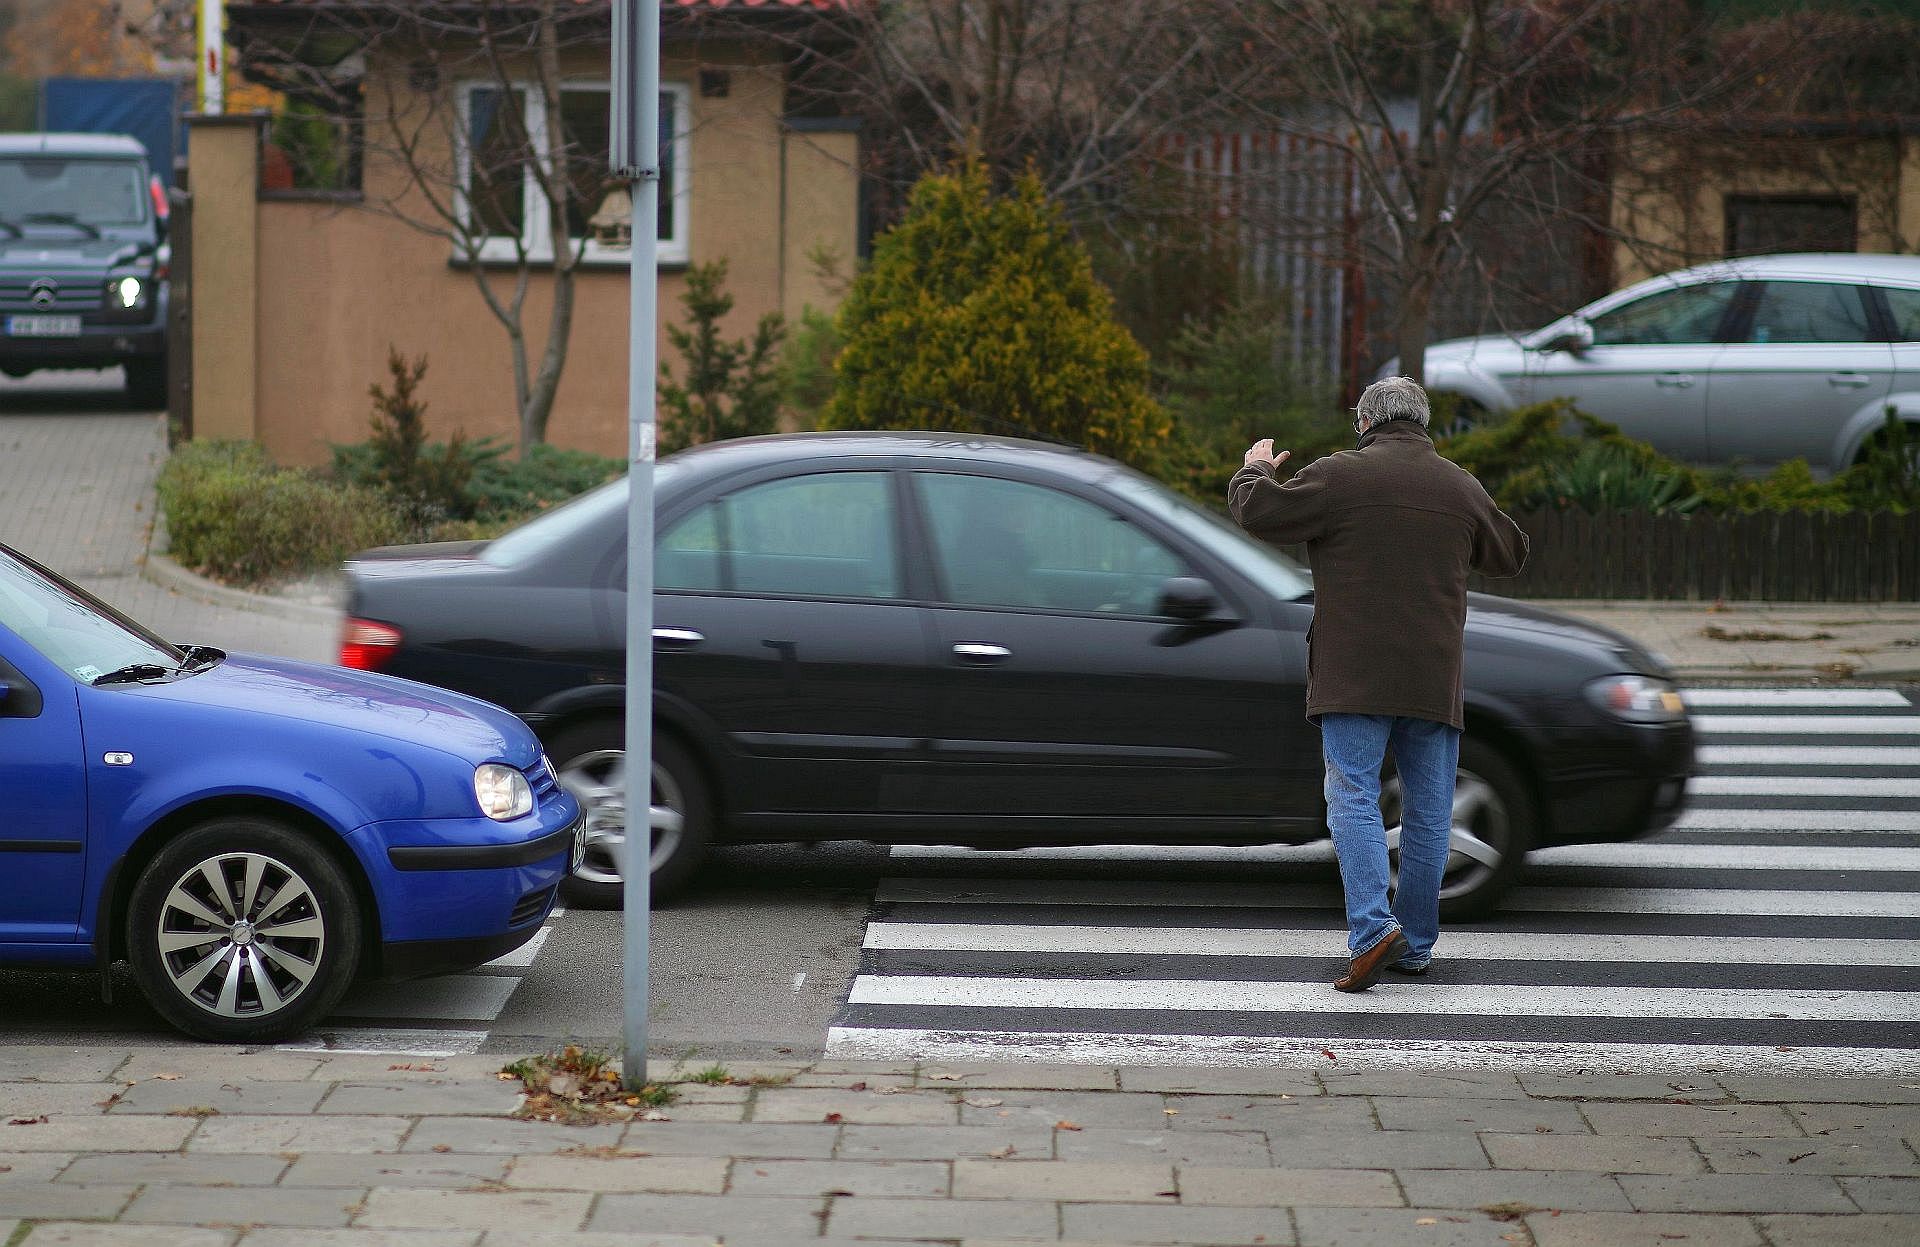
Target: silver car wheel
{"points": [[598, 780], [241, 935], [1482, 831]]}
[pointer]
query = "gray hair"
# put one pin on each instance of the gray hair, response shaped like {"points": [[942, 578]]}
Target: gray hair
{"points": [[1394, 398]]}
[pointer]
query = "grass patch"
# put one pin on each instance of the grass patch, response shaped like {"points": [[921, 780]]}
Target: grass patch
{"points": [[580, 1086]]}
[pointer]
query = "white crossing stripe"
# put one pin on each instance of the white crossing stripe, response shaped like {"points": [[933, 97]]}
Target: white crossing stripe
{"points": [[848, 1043], [397, 1042], [1490, 999], [1801, 786], [1795, 904], [1808, 724], [1835, 697], [1456, 945], [1807, 755], [1726, 856], [1711, 818]]}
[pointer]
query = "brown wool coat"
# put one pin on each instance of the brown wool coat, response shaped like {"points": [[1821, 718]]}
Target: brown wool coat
{"points": [[1392, 530]]}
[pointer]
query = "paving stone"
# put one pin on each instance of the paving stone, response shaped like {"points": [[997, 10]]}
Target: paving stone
{"points": [[1642, 1229], [239, 1097], [18, 1167], [1341, 1227], [944, 1218], [748, 1139], [1083, 1108], [686, 1093], [1034, 1142], [1766, 1090], [498, 1209], [1697, 1121], [667, 1175], [864, 1178], [782, 1218], [175, 1169], [98, 1134], [1469, 1113], [1621, 1086], [1176, 1147], [386, 1067], [1021, 1077], [1145, 1223], [853, 1082], [1593, 1153], [1382, 1149], [81, 1234], [394, 1170], [1735, 1192], [1481, 1083], [281, 1236], [1478, 1188], [1800, 1154], [56, 1063], [912, 1108], [1902, 1120], [724, 1112], [1225, 1080], [63, 1200], [291, 1134], [520, 1238], [1240, 1112], [494, 1134], [1280, 1188], [80, 1099], [1884, 1194], [768, 1072], [209, 1063], [243, 1206], [442, 1097], [1856, 1231], [1064, 1181]]}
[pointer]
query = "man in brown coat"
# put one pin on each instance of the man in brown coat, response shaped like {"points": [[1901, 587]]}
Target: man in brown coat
{"points": [[1392, 531]]}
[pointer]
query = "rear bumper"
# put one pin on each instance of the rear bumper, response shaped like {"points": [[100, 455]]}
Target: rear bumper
{"points": [[1624, 783]]}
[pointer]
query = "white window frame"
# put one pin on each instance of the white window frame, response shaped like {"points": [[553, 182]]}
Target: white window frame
{"points": [[674, 249]]}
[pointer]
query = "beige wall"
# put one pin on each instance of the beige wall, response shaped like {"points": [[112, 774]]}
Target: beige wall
{"points": [[1669, 202], [221, 169], [337, 283]]}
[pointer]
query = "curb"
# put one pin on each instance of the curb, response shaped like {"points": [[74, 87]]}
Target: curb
{"points": [[168, 574]]}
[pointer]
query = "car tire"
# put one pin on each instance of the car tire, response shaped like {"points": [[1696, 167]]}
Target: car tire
{"points": [[590, 761], [1498, 807], [147, 383], [274, 985]]}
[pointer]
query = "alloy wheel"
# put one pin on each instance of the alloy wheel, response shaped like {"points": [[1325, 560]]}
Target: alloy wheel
{"points": [[1482, 832], [241, 935], [598, 781]]}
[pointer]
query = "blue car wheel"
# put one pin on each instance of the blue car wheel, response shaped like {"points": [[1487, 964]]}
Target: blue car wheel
{"points": [[243, 930]]}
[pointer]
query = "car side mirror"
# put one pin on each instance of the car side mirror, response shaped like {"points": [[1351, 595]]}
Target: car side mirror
{"points": [[1188, 598], [1575, 339]]}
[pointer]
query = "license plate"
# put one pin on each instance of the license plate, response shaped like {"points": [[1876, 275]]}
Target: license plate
{"points": [[43, 326]]}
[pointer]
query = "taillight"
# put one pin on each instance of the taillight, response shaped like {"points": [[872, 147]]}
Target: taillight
{"points": [[367, 645], [161, 208]]}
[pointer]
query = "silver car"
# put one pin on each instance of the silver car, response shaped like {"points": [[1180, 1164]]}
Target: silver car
{"points": [[1756, 360]]}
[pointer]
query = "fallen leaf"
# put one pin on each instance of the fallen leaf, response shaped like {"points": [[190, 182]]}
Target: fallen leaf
{"points": [[563, 1084], [832, 1119], [1001, 1153], [27, 1121], [1066, 1125], [980, 1101], [1328, 1053], [1794, 1160], [856, 1086], [1428, 1221], [442, 1147], [1171, 1112], [654, 1114], [427, 1069], [169, 1077], [848, 1194], [503, 1076], [940, 1075]]}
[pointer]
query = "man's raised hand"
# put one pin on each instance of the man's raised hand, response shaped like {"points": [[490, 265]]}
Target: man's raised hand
{"points": [[1262, 452]]}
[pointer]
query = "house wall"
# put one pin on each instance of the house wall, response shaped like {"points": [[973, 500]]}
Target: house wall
{"points": [[339, 282]]}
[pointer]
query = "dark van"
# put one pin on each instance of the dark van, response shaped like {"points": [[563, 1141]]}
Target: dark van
{"points": [[83, 259]]}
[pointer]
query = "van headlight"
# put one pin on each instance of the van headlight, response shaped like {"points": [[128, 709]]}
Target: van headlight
{"points": [[502, 791], [1637, 699]]}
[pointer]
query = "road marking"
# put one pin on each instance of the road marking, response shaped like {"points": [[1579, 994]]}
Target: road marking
{"points": [[1726, 856], [1457, 945], [1781, 903], [1490, 999], [359, 1039], [1800, 786], [1722, 818], [799, 981], [1809, 724], [1807, 755], [1097, 1048], [1793, 697], [522, 957]]}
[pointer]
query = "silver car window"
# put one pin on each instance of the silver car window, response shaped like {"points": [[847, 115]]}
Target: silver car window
{"points": [[1808, 311], [1904, 306], [1683, 315]]}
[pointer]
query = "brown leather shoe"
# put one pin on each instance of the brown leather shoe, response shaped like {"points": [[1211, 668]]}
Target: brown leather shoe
{"points": [[1364, 971]]}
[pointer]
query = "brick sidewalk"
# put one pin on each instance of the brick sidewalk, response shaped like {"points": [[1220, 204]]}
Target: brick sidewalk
{"points": [[207, 1146]]}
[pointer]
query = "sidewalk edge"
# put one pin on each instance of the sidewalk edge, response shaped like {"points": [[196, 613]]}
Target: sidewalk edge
{"points": [[168, 574]]}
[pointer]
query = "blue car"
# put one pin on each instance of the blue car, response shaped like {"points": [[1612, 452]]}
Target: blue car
{"points": [[253, 834]]}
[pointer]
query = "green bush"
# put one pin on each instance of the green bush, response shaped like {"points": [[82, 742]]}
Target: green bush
{"points": [[729, 388], [509, 490], [235, 516]]}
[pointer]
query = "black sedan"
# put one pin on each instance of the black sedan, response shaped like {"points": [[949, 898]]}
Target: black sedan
{"points": [[937, 638]]}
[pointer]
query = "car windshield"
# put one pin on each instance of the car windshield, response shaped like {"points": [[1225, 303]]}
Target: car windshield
{"points": [[1252, 558], [89, 192], [560, 526], [70, 627]]}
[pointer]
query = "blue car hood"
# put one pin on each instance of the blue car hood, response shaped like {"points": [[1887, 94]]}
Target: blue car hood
{"points": [[357, 701]]}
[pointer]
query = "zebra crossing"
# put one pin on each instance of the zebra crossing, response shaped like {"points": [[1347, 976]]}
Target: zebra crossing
{"points": [[1772, 929]]}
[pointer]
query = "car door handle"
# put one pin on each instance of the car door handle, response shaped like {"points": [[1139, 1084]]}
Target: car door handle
{"points": [[676, 638], [981, 654], [1674, 380], [1848, 380]]}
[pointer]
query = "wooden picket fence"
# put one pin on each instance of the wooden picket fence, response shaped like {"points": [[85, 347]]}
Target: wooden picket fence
{"points": [[1785, 556]]}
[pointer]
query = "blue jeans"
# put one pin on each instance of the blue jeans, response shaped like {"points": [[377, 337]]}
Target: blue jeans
{"points": [[1426, 754]]}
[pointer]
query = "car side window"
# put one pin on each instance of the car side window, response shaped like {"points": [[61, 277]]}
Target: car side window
{"points": [[1667, 317], [827, 534], [1903, 306], [1009, 543], [1807, 311]]}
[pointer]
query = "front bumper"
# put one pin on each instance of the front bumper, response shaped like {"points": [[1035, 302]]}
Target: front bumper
{"points": [[1615, 781], [98, 346]]}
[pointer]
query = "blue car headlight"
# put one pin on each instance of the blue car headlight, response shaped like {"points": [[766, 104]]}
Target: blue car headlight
{"points": [[502, 791], [1637, 699]]}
